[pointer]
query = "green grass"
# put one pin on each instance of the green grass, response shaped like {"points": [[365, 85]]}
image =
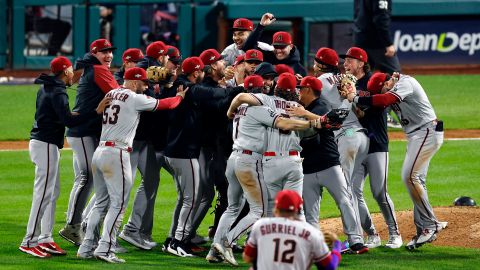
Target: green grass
{"points": [[450, 175], [453, 97]]}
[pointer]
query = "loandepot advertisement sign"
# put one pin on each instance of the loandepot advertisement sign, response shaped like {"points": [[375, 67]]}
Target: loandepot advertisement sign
{"points": [[437, 42]]}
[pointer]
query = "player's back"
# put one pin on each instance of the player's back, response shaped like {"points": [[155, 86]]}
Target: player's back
{"points": [[280, 140], [120, 119], [250, 127], [283, 244]]}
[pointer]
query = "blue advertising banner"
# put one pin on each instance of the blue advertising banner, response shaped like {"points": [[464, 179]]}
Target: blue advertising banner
{"points": [[453, 41]]}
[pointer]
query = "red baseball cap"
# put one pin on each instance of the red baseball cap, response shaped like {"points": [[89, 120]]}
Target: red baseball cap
{"points": [[173, 54], [253, 55], [136, 73], [242, 24], [192, 64], [281, 38], [132, 55], [288, 200], [287, 81], [101, 45], [253, 81], [312, 82], [156, 49], [282, 68], [327, 56], [376, 82], [59, 64], [210, 56], [356, 53], [240, 59]]}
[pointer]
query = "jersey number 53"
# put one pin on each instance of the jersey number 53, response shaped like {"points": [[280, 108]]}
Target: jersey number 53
{"points": [[110, 115]]}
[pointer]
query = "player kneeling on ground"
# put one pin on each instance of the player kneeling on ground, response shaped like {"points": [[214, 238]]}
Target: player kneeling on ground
{"points": [[285, 242], [112, 173]]}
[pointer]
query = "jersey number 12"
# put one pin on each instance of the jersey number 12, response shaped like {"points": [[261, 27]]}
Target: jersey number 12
{"points": [[287, 254], [113, 118]]}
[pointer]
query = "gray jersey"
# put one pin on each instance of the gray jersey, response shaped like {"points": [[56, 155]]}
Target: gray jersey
{"points": [[250, 127], [414, 108], [231, 52], [120, 119], [330, 93], [280, 140]]}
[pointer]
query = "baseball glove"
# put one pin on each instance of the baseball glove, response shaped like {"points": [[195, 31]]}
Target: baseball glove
{"points": [[334, 119], [330, 238], [156, 74], [347, 85]]}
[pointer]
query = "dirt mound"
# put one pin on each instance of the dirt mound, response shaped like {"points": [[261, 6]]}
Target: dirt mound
{"points": [[463, 226]]}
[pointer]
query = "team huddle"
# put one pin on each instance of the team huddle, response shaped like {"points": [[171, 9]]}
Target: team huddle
{"points": [[247, 124]]}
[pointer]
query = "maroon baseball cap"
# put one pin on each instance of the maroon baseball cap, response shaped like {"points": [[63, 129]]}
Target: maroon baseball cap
{"points": [[132, 55], [253, 55], [327, 56], [59, 64], [288, 200], [210, 56], [282, 68], [376, 82], [287, 81], [136, 73], [242, 24], [101, 45], [192, 64], [312, 82], [173, 54], [282, 39], [356, 53], [156, 49], [240, 59], [253, 81]]}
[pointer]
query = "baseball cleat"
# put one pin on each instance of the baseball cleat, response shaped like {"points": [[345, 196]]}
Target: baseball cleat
{"points": [[166, 244], [72, 233], [148, 240], [373, 241], [441, 225], [52, 248], [118, 249], [34, 251], [134, 239], [394, 241], [427, 236], [412, 244], [345, 247], [110, 258], [180, 249], [213, 256], [225, 252], [358, 248]]}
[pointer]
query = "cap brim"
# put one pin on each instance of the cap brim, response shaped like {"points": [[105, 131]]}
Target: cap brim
{"points": [[253, 60], [108, 49], [343, 56], [280, 44], [241, 29]]}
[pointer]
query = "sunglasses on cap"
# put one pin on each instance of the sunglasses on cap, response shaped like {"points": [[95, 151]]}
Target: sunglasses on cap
{"points": [[280, 47]]}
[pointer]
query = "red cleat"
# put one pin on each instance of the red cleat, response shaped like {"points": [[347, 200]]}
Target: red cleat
{"points": [[52, 248], [34, 251]]}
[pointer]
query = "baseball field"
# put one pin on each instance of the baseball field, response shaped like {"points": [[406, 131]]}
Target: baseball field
{"points": [[454, 172]]}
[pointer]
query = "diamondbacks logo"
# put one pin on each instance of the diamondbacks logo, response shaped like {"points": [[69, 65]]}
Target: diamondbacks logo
{"points": [[253, 55], [106, 43], [280, 38], [238, 23]]}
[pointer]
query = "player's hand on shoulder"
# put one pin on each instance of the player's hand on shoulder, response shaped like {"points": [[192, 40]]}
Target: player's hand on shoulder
{"points": [[297, 111], [106, 101], [267, 19], [181, 92]]}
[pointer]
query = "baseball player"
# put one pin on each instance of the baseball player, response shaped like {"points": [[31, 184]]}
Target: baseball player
{"points": [[95, 82], [376, 166], [351, 138], [244, 169], [46, 139], [424, 137], [284, 242], [268, 73], [283, 51], [241, 30], [183, 150], [138, 229], [111, 161], [321, 164]]}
